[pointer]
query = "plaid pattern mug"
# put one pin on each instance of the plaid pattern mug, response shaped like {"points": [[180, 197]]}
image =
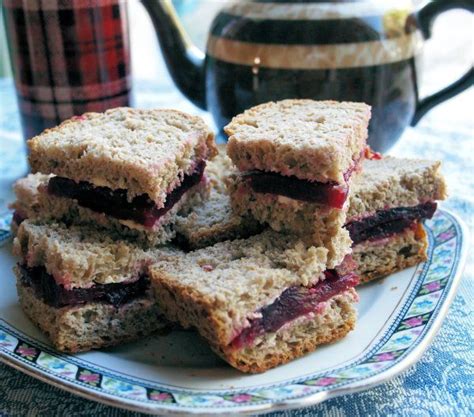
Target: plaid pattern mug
{"points": [[68, 57]]}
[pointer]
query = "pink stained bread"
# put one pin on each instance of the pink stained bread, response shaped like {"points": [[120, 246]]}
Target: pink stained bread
{"points": [[311, 140], [140, 151]]}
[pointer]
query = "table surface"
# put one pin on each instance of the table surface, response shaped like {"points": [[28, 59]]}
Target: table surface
{"points": [[440, 384]]}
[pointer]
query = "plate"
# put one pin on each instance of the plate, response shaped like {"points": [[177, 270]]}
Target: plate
{"points": [[177, 373]]}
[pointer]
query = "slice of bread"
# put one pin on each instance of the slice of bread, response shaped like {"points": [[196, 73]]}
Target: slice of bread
{"points": [[214, 221], [141, 151], [35, 203], [219, 169], [383, 257], [394, 182], [92, 325], [79, 257], [312, 140]]}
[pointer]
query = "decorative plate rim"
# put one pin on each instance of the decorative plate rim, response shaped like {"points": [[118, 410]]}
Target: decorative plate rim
{"points": [[418, 323]]}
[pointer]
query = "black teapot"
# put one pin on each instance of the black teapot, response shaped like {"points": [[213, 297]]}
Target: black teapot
{"points": [[259, 51]]}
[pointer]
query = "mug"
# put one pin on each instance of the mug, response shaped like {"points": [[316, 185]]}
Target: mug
{"points": [[259, 51], [68, 57]]}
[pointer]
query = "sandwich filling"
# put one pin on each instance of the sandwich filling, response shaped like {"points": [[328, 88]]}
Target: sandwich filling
{"points": [[294, 302], [330, 194], [115, 203], [56, 295], [385, 223]]}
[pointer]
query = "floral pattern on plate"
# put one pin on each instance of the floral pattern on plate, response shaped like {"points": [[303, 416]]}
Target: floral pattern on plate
{"points": [[435, 284]]}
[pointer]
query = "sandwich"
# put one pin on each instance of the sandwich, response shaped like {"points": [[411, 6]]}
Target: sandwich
{"points": [[82, 289], [259, 302], [387, 206], [127, 170], [296, 160]]}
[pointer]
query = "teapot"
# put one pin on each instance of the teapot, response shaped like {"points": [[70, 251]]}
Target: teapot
{"points": [[353, 50]]}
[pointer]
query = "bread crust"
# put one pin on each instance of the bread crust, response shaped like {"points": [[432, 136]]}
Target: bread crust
{"points": [[140, 151], [312, 140]]}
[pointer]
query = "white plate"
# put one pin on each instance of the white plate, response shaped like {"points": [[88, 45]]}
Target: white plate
{"points": [[177, 373]]}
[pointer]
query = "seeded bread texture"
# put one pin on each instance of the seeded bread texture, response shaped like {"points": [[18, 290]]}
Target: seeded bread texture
{"points": [[394, 182], [33, 202], [312, 140], [219, 169], [300, 337], [317, 224], [79, 257], [384, 257], [141, 151], [92, 325], [214, 221], [217, 288]]}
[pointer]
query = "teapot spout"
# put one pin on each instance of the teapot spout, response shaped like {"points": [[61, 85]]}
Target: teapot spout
{"points": [[184, 60]]}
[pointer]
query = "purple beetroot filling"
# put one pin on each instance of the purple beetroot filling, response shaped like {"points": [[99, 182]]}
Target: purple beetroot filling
{"points": [[389, 222], [330, 193], [114, 203], [18, 218], [55, 295], [294, 302]]}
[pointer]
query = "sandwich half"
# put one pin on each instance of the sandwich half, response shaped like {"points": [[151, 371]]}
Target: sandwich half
{"points": [[84, 290], [388, 203], [258, 302], [296, 161], [129, 170]]}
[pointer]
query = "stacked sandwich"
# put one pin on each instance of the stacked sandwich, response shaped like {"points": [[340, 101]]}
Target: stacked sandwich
{"points": [[118, 234], [103, 199], [384, 209]]}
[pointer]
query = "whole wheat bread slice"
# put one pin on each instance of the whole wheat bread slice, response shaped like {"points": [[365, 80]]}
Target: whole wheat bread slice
{"points": [[312, 140], [140, 151], [79, 257], [213, 220]]}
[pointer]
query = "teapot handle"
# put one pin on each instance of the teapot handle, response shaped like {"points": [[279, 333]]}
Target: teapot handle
{"points": [[426, 16]]}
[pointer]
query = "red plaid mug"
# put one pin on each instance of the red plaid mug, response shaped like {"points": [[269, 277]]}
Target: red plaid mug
{"points": [[68, 57]]}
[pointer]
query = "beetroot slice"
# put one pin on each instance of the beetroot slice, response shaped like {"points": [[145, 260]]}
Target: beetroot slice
{"points": [[331, 194], [386, 223], [294, 302], [55, 295], [114, 203]]}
